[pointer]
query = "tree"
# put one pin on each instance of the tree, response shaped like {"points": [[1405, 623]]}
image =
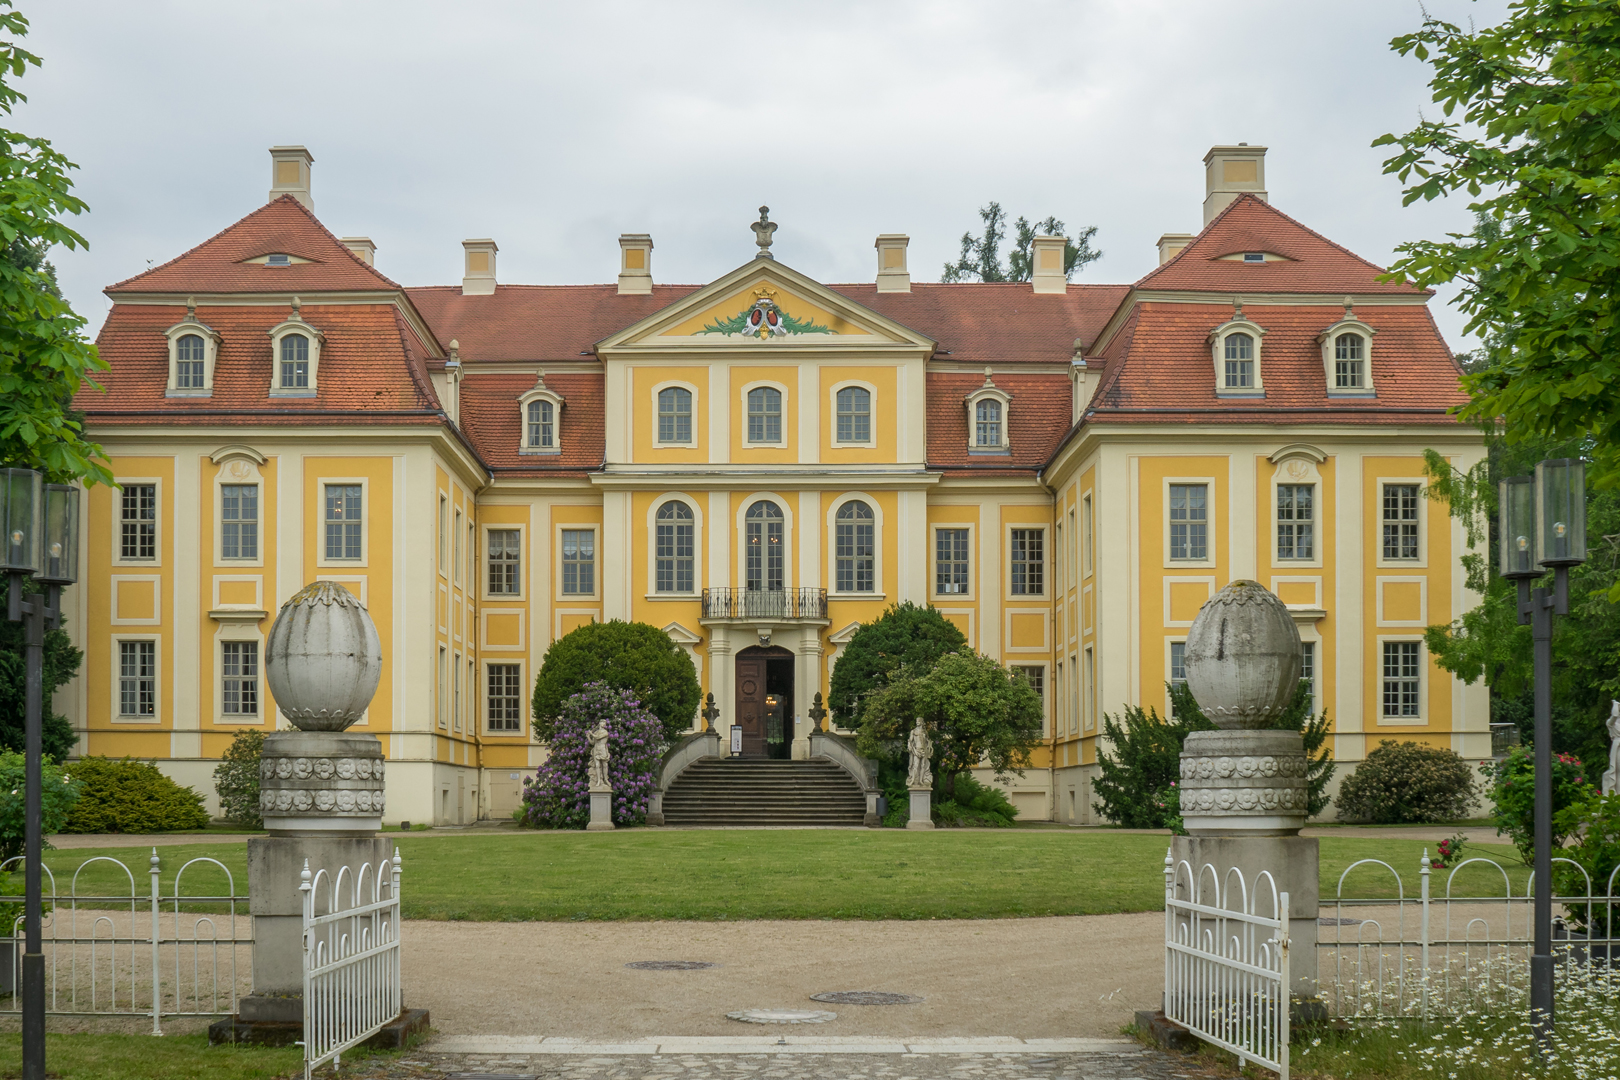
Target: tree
{"points": [[976, 711], [236, 779], [980, 259], [905, 635], [58, 792], [626, 656], [1535, 145], [62, 662]]}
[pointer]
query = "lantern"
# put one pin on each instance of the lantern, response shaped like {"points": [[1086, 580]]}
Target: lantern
{"points": [[1560, 512], [60, 565], [19, 503], [1516, 506]]}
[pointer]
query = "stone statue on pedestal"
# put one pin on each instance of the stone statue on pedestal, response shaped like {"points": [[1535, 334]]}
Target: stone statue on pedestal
{"points": [[1611, 776], [600, 755], [920, 774]]}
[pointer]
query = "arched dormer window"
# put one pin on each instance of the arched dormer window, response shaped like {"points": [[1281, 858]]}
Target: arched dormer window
{"points": [[1235, 348], [193, 347], [988, 408], [1347, 356], [540, 418], [295, 351]]}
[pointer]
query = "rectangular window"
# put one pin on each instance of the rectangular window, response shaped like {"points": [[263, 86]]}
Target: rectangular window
{"points": [[137, 678], [764, 415], [457, 563], [1091, 689], [579, 562], [472, 553], [455, 694], [1347, 375], [854, 415], [1085, 537], [505, 698], [343, 505], [1036, 674], [674, 415], [950, 561], [138, 521], [1296, 521], [854, 543], [239, 668], [1402, 676], [504, 559], [1400, 521], [1189, 521], [1178, 662], [189, 374], [1061, 706], [440, 686], [444, 533], [1059, 567], [1028, 576], [1069, 552], [1307, 669], [674, 542], [239, 521]]}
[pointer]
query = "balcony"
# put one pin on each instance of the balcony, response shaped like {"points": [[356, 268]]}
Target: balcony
{"points": [[765, 605]]}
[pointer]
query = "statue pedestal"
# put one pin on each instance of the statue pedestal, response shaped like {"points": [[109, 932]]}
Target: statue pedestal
{"points": [[801, 740], [922, 809], [601, 810]]}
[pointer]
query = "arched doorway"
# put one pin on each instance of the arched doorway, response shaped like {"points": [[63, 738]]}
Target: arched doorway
{"points": [[764, 689]]}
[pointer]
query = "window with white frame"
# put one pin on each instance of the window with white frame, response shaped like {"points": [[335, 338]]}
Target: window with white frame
{"points": [[1307, 670], [764, 566], [674, 415], [675, 545], [764, 415], [444, 533], [542, 425], [239, 678], [472, 553], [1035, 675], [1090, 674], [505, 704], [137, 678], [1189, 521], [855, 547], [455, 694], [294, 370], [137, 524], [578, 562], [343, 522], [457, 558], [1403, 677], [190, 363], [505, 562], [441, 686], [1296, 521], [950, 561], [1349, 362], [239, 521], [1400, 520], [987, 423], [1027, 565], [1086, 526], [1178, 663], [854, 414], [1239, 358]]}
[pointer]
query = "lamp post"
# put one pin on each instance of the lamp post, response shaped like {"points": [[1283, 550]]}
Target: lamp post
{"points": [[1543, 527], [36, 516]]}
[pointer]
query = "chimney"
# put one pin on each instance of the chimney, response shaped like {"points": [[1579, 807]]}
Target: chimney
{"points": [[1047, 274], [478, 279], [289, 174], [363, 248], [892, 275], [1229, 171], [1171, 245], [635, 264]]}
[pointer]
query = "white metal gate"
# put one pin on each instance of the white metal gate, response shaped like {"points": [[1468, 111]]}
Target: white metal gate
{"points": [[1226, 964], [351, 957]]}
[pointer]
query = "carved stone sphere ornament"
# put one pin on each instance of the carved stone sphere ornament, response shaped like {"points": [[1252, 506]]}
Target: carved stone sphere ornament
{"points": [[323, 658], [1243, 657]]}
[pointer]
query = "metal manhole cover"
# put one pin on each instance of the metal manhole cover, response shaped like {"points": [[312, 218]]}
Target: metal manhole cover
{"points": [[782, 1016], [671, 965], [867, 997]]}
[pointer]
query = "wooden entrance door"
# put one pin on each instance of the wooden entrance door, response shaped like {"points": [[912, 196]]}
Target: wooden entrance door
{"points": [[752, 668]]}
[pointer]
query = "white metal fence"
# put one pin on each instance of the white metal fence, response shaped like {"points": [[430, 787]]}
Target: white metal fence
{"points": [[1411, 953], [351, 957], [1226, 963], [115, 948]]}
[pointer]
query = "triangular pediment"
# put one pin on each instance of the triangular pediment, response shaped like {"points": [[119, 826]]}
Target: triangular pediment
{"points": [[765, 305]]}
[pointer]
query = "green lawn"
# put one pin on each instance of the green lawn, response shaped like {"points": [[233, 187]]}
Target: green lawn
{"points": [[141, 1057], [771, 874]]}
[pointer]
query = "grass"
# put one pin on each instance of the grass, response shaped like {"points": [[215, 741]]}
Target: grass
{"points": [[782, 874], [141, 1057]]}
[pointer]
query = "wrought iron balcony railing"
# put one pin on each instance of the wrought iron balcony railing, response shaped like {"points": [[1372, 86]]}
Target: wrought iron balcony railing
{"points": [[765, 603]]}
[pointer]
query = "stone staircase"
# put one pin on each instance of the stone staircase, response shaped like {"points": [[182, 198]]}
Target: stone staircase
{"points": [[725, 791]]}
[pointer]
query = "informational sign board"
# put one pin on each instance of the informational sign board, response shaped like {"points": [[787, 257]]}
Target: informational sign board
{"points": [[736, 739]]}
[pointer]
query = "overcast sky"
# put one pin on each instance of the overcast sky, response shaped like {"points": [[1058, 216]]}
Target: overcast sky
{"points": [[555, 127]]}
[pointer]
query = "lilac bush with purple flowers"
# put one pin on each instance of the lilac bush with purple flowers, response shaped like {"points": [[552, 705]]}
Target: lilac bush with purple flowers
{"points": [[558, 796]]}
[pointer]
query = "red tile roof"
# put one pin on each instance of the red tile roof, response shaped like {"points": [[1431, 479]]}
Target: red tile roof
{"points": [[490, 417], [1037, 420], [544, 323], [284, 226], [1312, 263]]}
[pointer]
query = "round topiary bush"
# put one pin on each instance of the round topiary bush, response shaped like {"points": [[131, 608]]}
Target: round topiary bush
{"points": [[632, 656], [129, 796], [1404, 783], [558, 796]]}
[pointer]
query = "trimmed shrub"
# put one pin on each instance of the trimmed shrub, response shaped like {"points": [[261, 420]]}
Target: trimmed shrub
{"points": [[632, 656], [1404, 783], [558, 796], [1513, 795], [58, 791], [903, 636], [236, 780], [976, 806], [129, 796]]}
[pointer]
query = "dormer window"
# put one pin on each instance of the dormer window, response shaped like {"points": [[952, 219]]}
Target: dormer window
{"points": [[1254, 256], [1235, 349], [542, 426], [193, 346], [1239, 373], [295, 362], [988, 412], [1347, 356], [1349, 362], [278, 260], [987, 424], [540, 413], [190, 372], [295, 350]]}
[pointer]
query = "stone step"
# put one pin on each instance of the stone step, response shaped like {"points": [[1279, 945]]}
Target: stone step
{"points": [[764, 792]]}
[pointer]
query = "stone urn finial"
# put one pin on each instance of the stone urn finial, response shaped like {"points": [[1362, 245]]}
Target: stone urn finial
{"points": [[323, 658], [1243, 657]]}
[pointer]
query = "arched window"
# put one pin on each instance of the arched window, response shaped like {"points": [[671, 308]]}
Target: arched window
{"points": [[1349, 362], [188, 359], [854, 414], [1239, 362], [295, 362], [674, 542], [763, 539], [674, 415], [542, 426], [987, 423], [764, 415], [854, 542]]}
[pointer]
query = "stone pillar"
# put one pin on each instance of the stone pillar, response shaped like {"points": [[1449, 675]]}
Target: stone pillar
{"points": [[601, 810], [806, 682], [922, 809], [723, 684]]}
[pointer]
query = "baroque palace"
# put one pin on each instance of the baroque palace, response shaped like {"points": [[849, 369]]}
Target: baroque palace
{"points": [[757, 466]]}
